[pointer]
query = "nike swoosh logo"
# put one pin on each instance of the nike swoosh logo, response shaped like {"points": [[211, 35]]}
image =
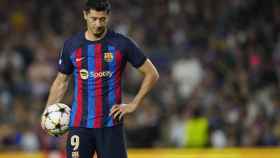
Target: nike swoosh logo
{"points": [[79, 59]]}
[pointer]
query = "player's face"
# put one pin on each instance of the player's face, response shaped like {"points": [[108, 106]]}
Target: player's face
{"points": [[97, 21]]}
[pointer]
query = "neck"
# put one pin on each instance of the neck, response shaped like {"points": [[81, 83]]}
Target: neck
{"points": [[91, 37]]}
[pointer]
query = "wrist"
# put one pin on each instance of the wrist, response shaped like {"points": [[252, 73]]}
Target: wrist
{"points": [[136, 102]]}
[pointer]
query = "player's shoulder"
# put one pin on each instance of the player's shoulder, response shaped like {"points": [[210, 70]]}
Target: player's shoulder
{"points": [[120, 38], [74, 41]]}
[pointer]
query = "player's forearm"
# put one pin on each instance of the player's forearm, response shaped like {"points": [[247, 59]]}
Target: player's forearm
{"points": [[57, 91], [149, 81]]}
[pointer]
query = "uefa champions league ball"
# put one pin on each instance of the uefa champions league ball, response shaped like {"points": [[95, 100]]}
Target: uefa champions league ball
{"points": [[55, 119]]}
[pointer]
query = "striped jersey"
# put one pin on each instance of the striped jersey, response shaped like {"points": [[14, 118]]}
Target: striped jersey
{"points": [[97, 68]]}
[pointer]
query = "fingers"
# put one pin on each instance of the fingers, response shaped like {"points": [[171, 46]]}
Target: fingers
{"points": [[42, 125], [121, 115], [114, 109], [117, 111]]}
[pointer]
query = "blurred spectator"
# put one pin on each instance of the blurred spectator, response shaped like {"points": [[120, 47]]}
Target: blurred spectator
{"points": [[196, 129]]}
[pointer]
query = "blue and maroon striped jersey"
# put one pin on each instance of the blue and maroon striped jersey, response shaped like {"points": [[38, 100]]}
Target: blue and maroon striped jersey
{"points": [[97, 68]]}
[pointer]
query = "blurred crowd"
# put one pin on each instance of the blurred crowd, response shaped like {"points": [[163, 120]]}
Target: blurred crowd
{"points": [[219, 64]]}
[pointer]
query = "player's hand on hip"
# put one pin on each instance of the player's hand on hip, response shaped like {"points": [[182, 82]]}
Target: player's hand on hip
{"points": [[118, 111]]}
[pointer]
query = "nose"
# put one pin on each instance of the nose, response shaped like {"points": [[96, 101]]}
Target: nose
{"points": [[98, 23]]}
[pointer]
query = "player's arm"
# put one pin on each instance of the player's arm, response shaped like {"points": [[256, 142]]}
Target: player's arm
{"points": [[61, 82], [58, 88], [150, 78]]}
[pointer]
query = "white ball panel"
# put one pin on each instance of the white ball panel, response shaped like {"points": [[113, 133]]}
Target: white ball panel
{"points": [[49, 124], [55, 116]]}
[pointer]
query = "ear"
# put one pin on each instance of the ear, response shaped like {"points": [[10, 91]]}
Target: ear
{"points": [[85, 14]]}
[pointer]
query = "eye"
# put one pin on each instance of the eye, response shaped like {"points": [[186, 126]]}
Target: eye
{"points": [[102, 19], [93, 19]]}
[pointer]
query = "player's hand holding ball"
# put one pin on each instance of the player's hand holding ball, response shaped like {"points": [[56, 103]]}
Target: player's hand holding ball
{"points": [[118, 111], [55, 119]]}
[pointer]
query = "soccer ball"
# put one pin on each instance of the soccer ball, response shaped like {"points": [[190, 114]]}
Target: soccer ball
{"points": [[55, 119]]}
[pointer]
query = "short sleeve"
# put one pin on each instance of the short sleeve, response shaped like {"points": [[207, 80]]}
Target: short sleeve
{"points": [[64, 63], [134, 54]]}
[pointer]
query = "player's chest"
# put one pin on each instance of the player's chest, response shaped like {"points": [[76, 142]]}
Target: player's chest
{"points": [[96, 54]]}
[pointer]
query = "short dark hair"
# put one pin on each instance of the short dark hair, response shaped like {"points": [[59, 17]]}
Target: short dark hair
{"points": [[99, 5]]}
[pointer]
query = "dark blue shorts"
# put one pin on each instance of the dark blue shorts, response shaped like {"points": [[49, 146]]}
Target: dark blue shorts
{"points": [[108, 142]]}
